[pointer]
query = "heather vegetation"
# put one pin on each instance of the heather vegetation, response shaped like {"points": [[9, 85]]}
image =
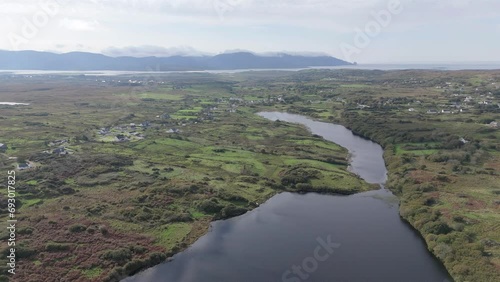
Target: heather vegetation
{"points": [[121, 177]]}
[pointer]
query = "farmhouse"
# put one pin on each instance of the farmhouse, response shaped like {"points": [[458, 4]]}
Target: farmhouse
{"points": [[23, 166], [60, 151], [463, 140], [104, 131], [122, 138], [145, 124], [57, 142], [173, 130]]}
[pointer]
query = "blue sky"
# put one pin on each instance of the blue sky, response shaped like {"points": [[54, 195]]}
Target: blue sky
{"points": [[417, 31]]}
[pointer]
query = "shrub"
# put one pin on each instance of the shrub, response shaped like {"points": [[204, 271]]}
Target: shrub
{"points": [[180, 217], [138, 249], [232, 211], [443, 178], [25, 231], [104, 230], [210, 206], [21, 252], [461, 269], [119, 256], [442, 251], [77, 228], [437, 228], [117, 274], [56, 247], [304, 187], [156, 258], [134, 266], [299, 175]]}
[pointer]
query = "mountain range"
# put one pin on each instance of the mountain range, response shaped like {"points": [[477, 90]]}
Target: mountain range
{"points": [[82, 61]]}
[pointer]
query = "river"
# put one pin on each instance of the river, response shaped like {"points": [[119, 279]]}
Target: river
{"points": [[312, 237]]}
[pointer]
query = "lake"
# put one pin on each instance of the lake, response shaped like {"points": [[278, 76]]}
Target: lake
{"points": [[13, 104], [387, 67], [312, 237]]}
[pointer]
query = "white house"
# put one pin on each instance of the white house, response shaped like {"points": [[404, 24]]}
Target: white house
{"points": [[24, 166], [174, 130]]}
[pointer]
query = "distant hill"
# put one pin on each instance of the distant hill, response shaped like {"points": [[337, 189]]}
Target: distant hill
{"points": [[81, 61]]}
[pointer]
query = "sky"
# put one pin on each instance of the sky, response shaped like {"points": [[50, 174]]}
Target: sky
{"points": [[365, 31]]}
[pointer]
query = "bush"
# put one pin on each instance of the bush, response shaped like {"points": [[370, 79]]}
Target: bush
{"points": [[437, 228], [299, 175], [117, 274], [180, 217], [156, 258], [134, 266], [232, 211], [25, 231], [118, 256], [21, 252], [57, 247], [443, 178], [104, 230], [77, 228], [210, 206], [304, 187], [461, 269], [442, 251], [138, 249]]}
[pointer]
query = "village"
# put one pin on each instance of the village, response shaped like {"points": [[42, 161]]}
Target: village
{"points": [[455, 98]]}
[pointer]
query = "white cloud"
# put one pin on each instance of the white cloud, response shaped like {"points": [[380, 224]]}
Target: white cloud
{"points": [[148, 50], [79, 24], [257, 25]]}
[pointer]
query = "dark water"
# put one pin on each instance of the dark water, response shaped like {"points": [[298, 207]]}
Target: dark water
{"points": [[294, 238]]}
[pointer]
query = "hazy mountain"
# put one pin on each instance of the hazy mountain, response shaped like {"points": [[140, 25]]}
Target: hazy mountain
{"points": [[33, 60]]}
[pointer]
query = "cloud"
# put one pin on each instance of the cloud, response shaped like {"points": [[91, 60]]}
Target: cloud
{"points": [[148, 50], [338, 16], [258, 25], [78, 24]]}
